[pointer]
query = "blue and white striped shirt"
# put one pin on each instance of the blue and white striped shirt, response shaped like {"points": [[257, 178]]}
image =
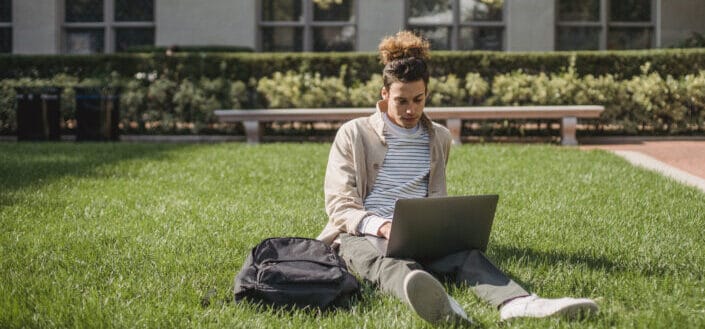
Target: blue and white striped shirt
{"points": [[404, 174]]}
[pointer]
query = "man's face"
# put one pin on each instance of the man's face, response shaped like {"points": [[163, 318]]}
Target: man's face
{"points": [[405, 102]]}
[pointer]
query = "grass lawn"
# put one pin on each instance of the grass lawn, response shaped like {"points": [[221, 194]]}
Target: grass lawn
{"points": [[133, 235]]}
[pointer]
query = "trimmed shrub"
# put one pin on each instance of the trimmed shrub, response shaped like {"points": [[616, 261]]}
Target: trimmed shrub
{"points": [[611, 93], [657, 100], [152, 103], [161, 102], [695, 97], [189, 49], [446, 91], [366, 94], [518, 88], [148, 102], [359, 66], [476, 87], [8, 115], [303, 90]]}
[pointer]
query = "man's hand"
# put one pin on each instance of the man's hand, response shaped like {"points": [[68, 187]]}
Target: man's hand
{"points": [[384, 230]]}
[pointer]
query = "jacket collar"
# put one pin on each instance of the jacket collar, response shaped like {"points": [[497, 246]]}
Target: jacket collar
{"points": [[378, 122]]}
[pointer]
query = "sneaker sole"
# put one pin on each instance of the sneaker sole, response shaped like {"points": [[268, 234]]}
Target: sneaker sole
{"points": [[573, 311], [426, 296], [577, 310]]}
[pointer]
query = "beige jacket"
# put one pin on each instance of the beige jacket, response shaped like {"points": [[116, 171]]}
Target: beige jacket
{"points": [[355, 159]]}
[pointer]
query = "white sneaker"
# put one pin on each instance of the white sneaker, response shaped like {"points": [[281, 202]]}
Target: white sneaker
{"points": [[429, 300], [535, 307]]}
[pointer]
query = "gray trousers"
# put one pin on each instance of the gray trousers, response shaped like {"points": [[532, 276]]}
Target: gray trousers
{"points": [[469, 267]]}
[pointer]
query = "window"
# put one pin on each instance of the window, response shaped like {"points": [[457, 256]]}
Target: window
{"points": [[105, 26], [5, 26], [458, 24], [84, 11], [604, 24], [307, 25]]}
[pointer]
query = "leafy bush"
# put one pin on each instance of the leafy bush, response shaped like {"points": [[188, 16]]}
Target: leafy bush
{"points": [[238, 94], [360, 66], [160, 109], [446, 91], [192, 105], [148, 102], [303, 90], [665, 104], [657, 100], [476, 87], [612, 94], [518, 88], [133, 103], [281, 90], [161, 102], [8, 115], [695, 97], [366, 94]]}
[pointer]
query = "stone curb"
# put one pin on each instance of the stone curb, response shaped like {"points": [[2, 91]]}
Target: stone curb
{"points": [[645, 161], [607, 140]]}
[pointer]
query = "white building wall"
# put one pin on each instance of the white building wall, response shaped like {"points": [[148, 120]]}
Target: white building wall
{"points": [[679, 18], [36, 26], [376, 20], [203, 23], [530, 25]]}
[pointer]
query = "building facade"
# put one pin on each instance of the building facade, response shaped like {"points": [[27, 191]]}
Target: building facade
{"points": [[107, 26]]}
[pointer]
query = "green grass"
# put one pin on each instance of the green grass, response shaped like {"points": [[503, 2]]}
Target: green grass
{"points": [[132, 235]]}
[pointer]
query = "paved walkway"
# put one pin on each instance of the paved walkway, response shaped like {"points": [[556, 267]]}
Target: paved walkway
{"points": [[682, 160]]}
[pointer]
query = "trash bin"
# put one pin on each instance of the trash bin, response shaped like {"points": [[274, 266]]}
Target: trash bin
{"points": [[38, 114], [97, 114]]}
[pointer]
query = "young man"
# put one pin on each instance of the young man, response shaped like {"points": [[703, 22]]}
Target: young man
{"points": [[399, 153]]}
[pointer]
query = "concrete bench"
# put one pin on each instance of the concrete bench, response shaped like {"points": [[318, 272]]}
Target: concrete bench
{"points": [[252, 119]]}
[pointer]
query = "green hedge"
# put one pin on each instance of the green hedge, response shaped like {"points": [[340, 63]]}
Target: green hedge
{"points": [[189, 49], [148, 103], [661, 90], [161, 103], [359, 66]]}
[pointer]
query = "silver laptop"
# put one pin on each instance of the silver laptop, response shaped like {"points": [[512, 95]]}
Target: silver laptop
{"points": [[429, 228]]}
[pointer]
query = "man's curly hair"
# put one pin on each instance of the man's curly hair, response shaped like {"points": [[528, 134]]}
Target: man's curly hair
{"points": [[404, 56]]}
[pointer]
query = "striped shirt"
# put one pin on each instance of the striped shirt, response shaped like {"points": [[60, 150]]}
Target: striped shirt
{"points": [[404, 174]]}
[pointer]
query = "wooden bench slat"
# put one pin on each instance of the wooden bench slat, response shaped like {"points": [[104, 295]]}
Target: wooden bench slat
{"points": [[507, 112], [568, 114], [485, 112]]}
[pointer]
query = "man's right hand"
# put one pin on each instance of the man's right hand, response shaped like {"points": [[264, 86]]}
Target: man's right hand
{"points": [[384, 230]]}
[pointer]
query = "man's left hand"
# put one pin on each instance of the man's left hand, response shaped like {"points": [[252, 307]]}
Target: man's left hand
{"points": [[384, 230]]}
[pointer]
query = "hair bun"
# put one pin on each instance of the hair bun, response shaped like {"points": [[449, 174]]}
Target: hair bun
{"points": [[404, 44]]}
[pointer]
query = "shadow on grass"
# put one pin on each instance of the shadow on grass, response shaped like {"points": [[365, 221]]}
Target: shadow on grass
{"points": [[35, 164], [536, 258]]}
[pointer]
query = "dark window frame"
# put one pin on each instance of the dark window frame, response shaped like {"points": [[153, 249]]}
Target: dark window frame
{"points": [[9, 7], [456, 24], [307, 24], [605, 24], [109, 26], [7, 25]]}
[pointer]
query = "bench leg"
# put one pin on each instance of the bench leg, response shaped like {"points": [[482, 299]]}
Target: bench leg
{"points": [[454, 125], [253, 131], [568, 128]]}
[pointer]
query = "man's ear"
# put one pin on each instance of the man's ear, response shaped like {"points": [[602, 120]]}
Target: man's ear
{"points": [[384, 93]]}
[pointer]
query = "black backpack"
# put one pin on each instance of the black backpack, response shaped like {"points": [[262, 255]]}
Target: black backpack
{"points": [[296, 272]]}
